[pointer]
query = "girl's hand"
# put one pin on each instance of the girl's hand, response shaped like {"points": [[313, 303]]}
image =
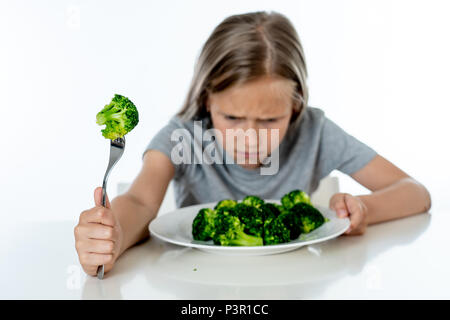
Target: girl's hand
{"points": [[353, 207], [98, 236]]}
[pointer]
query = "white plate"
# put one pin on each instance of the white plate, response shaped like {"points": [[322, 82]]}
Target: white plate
{"points": [[176, 227]]}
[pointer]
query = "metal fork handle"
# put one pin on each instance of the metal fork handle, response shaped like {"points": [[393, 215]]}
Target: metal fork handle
{"points": [[112, 161], [114, 156], [101, 269], [104, 192]]}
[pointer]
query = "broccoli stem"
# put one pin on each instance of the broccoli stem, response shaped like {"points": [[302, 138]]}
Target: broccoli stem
{"points": [[112, 113], [244, 239], [101, 119]]}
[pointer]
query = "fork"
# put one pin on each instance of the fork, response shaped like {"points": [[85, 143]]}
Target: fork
{"points": [[115, 153]]}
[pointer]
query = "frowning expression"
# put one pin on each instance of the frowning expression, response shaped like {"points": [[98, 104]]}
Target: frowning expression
{"points": [[264, 103]]}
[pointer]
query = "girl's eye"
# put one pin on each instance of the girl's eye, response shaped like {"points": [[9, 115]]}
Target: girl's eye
{"points": [[269, 120], [237, 118], [231, 117]]}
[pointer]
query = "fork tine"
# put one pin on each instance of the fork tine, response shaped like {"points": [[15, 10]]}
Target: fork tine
{"points": [[119, 142]]}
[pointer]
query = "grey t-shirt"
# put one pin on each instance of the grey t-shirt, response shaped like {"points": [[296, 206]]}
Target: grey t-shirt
{"points": [[308, 153]]}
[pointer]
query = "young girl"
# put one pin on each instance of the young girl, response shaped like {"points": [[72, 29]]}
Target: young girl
{"points": [[250, 76]]}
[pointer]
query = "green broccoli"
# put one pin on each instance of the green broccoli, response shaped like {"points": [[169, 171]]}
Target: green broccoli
{"points": [[225, 203], [276, 232], [251, 217], [270, 211], [230, 230], [203, 227], [254, 222], [295, 196], [253, 201], [310, 217], [301, 218], [120, 117], [279, 207], [291, 220]]}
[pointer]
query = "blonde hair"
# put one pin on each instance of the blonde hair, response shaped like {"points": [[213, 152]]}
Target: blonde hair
{"points": [[242, 48]]}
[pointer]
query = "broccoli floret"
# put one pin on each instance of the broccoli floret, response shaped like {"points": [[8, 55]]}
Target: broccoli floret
{"points": [[295, 196], [251, 217], [276, 232], [230, 230], [253, 201], [310, 217], [279, 207], [225, 203], [301, 218], [203, 227], [270, 211], [291, 220], [120, 117], [254, 222]]}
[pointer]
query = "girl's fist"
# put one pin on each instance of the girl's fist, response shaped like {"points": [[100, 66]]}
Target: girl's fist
{"points": [[98, 236], [352, 207]]}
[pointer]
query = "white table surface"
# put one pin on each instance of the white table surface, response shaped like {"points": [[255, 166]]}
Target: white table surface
{"points": [[407, 258]]}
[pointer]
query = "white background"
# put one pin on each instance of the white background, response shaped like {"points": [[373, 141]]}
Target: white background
{"points": [[379, 69]]}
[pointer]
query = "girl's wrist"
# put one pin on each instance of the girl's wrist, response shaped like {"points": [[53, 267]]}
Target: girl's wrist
{"points": [[366, 205]]}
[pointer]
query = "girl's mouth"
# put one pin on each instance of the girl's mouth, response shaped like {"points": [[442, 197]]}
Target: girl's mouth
{"points": [[247, 154]]}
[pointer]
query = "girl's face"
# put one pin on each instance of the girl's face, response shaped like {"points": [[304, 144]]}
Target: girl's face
{"points": [[265, 103]]}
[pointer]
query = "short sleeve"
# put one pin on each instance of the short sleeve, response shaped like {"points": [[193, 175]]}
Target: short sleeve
{"points": [[162, 142], [341, 151]]}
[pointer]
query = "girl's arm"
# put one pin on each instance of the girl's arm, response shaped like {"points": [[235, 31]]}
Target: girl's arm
{"points": [[394, 193], [136, 208]]}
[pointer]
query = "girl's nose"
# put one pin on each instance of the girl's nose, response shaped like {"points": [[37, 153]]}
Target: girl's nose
{"points": [[251, 140], [251, 124]]}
